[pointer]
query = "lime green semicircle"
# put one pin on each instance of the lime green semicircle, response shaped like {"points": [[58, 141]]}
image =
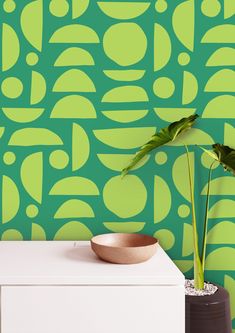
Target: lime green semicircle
{"points": [[74, 106], [222, 233], [117, 162], [224, 33], [31, 174], [196, 135], [120, 137], [38, 233], [190, 88], [74, 186], [125, 75], [34, 137], [173, 114], [73, 231], [123, 10], [184, 265], [10, 199], [10, 47], [162, 47], [229, 135], [79, 7], [74, 80], [74, 33], [31, 22], [74, 208], [229, 284], [221, 81], [224, 56], [223, 208], [187, 246], [222, 106], [221, 259], [229, 8], [162, 199], [12, 234], [38, 88], [126, 227], [221, 186], [74, 56], [126, 94], [80, 147], [23, 115], [183, 21], [125, 116]]}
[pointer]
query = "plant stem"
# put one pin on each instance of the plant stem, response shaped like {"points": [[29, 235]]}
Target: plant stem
{"points": [[203, 253], [198, 271]]}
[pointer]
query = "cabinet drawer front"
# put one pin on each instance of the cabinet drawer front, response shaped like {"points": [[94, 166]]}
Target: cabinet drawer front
{"points": [[92, 309]]}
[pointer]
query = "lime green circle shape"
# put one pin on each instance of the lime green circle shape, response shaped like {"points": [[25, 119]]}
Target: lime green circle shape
{"points": [[206, 161], [125, 197], [161, 6], [59, 159], [32, 211], [125, 43], [184, 59], [9, 158], [32, 58], [161, 158], [166, 238], [183, 211], [9, 6], [59, 8], [12, 87], [210, 8], [163, 87]]}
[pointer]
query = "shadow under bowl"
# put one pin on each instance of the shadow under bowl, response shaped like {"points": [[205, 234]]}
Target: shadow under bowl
{"points": [[123, 248]]}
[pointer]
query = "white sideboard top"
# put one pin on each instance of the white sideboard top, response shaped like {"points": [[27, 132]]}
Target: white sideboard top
{"points": [[74, 263]]}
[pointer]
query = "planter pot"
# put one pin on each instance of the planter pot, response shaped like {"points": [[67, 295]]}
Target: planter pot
{"points": [[208, 314]]}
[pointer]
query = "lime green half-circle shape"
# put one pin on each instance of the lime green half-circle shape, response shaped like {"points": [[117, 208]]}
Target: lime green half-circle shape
{"points": [[223, 208], [190, 88], [126, 94], [229, 285], [196, 136], [73, 106], [178, 173], [162, 199], [222, 233], [173, 114], [38, 233], [125, 197], [222, 106], [22, 115], [38, 88], [79, 7], [162, 47], [224, 33], [221, 259], [34, 137], [10, 199], [125, 43], [74, 80], [229, 135], [123, 10], [73, 231], [31, 174], [74, 33], [12, 87], [120, 137], [74, 208], [10, 47], [125, 75], [74, 56], [12, 235], [183, 21], [117, 162], [124, 227], [166, 238], [221, 186], [80, 147], [184, 265], [59, 159], [229, 8], [125, 116], [187, 246], [224, 56], [31, 22], [221, 81], [74, 186]]}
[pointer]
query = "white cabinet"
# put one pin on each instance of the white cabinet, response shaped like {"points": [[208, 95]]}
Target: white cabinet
{"points": [[61, 287]]}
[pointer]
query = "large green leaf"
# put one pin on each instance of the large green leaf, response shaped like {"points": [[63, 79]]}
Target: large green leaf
{"points": [[226, 156], [162, 137]]}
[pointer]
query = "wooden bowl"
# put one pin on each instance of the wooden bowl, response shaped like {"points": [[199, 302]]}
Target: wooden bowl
{"points": [[123, 248]]}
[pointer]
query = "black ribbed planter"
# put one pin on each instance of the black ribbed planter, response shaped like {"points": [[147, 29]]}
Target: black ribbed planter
{"points": [[208, 314]]}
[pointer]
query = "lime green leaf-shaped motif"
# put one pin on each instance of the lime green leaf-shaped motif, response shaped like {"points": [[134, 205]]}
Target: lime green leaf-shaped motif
{"points": [[164, 136], [10, 199], [32, 175], [73, 231]]}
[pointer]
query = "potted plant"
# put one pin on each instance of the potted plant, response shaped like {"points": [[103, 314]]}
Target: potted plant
{"points": [[207, 304]]}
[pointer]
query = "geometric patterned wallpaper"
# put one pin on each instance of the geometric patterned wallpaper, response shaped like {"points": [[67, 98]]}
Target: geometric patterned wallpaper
{"points": [[83, 85]]}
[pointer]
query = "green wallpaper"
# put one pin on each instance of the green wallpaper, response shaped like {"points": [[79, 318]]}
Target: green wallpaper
{"points": [[83, 85]]}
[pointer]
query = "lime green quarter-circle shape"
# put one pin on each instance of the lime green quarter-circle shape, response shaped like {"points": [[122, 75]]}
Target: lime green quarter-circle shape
{"points": [[166, 238], [125, 43]]}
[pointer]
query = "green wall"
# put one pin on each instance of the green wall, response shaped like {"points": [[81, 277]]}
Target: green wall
{"points": [[83, 85]]}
